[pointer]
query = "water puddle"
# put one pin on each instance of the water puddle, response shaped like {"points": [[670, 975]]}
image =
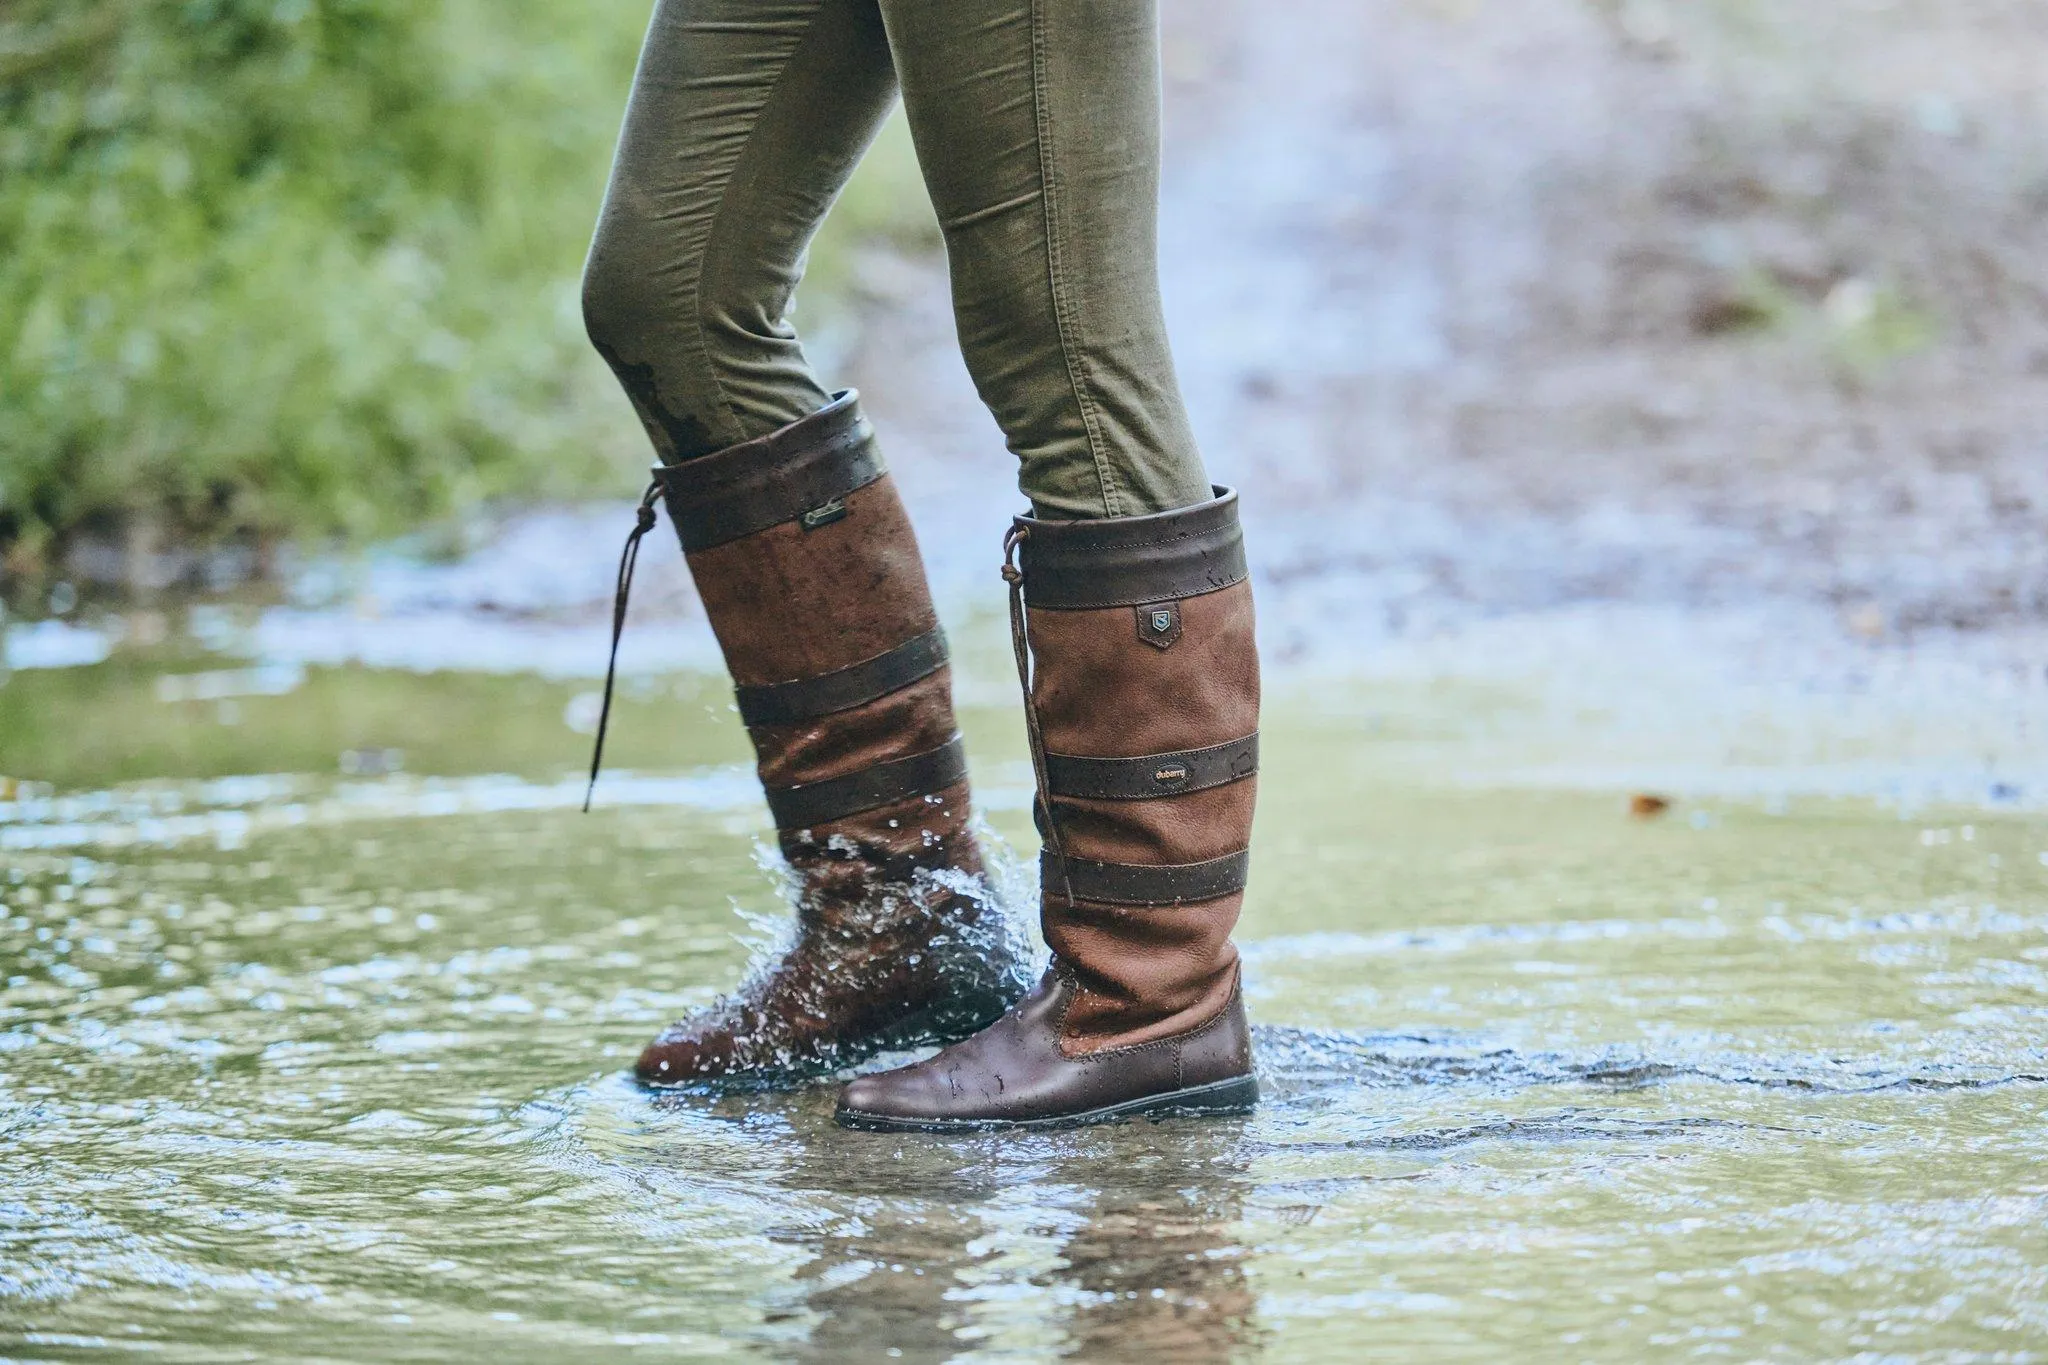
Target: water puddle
{"points": [[297, 1059]]}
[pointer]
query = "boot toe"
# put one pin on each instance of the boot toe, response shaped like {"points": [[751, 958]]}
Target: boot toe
{"points": [[908, 1094], [680, 1058]]}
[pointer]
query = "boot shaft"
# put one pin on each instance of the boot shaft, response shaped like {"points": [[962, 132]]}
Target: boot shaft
{"points": [[1144, 691], [810, 575]]}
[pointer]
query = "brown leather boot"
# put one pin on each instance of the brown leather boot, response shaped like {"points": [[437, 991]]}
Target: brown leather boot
{"points": [[810, 574], [1143, 711]]}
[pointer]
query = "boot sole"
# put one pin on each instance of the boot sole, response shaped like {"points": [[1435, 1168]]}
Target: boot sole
{"points": [[1238, 1095], [937, 1025]]}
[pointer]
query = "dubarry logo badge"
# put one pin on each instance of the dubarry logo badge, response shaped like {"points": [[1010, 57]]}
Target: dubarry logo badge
{"points": [[1159, 624], [824, 515]]}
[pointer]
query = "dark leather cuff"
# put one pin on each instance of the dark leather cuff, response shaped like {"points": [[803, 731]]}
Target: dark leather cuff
{"points": [[1132, 561], [801, 473]]}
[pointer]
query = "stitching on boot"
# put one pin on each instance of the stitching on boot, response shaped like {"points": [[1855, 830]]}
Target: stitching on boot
{"points": [[1146, 544]]}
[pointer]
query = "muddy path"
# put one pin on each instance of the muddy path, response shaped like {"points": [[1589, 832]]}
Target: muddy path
{"points": [[1693, 308]]}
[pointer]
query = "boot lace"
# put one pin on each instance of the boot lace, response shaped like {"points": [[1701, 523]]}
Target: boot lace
{"points": [[628, 559]]}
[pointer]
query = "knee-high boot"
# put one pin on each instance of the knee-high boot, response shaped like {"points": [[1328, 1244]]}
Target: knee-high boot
{"points": [[1142, 694], [810, 574]]}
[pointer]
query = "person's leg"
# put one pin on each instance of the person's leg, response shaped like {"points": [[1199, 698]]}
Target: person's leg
{"points": [[1037, 127], [1037, 124], [746, 117]]}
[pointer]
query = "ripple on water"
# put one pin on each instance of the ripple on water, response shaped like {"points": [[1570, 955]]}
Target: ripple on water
{"points": [[361, 1080]]}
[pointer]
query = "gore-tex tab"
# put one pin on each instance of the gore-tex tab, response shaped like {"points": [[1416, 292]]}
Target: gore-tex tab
{"points": [[1159, 624]]}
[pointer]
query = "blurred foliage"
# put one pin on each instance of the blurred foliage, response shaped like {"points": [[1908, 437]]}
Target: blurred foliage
{"points": [[283, 265]]}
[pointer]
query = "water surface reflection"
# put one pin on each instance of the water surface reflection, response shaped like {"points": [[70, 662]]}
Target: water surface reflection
{"points": [[1114, 1241]]}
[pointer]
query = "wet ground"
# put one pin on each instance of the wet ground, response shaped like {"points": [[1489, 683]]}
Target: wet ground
{"points": [[330, 1065]]}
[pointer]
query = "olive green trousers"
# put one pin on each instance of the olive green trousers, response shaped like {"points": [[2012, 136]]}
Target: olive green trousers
{"points": [[1036, 124]]}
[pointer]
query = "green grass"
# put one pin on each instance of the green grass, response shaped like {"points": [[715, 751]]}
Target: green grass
{"points": [[276, 267]]}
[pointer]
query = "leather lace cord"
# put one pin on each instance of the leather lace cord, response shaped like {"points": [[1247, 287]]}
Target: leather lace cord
{"points": [[628, 558], [1020, 645]]}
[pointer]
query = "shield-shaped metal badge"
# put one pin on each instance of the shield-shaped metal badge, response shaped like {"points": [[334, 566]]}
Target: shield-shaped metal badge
{"points": [[1159, 624]]}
